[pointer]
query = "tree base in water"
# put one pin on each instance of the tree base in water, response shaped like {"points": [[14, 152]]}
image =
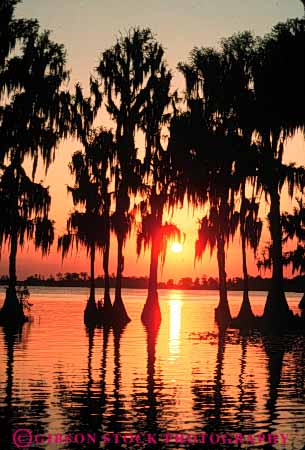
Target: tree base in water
{"points": [[119, 314], [276, 313], [151, 314], [107, 307], [12, 311], [223, 315], [245, 319], [294, 324], [91, 313], [107, 315]]}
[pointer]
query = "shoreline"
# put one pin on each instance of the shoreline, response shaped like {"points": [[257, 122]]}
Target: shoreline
{"points": [[100, 285]]}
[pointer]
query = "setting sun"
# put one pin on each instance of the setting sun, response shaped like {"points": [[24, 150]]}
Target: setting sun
{"points": [[176, 247]]}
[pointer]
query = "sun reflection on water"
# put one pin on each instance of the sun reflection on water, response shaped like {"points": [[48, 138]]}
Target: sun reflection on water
{"points": [[175, 307]]}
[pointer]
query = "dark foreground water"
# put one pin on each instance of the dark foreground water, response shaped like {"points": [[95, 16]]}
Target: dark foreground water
{"points": [[186, 379]]}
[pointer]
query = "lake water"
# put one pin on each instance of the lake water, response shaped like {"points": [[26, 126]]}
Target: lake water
{"points": [[186, 379]]}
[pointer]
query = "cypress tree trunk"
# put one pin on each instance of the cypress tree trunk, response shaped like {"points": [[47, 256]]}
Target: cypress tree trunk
{"points": [[151, 314], [90, 314], [12, 310], [107, 301], [119, 310], [92, 275], [120, 268], [222, 312], [12, 262], [276, 307], [245, 316]]}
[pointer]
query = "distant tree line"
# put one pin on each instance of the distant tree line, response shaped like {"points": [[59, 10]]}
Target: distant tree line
{"points": [[75, 279]]}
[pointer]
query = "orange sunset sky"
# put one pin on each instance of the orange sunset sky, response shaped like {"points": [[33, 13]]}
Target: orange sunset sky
{"points": [[88, 27]]}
